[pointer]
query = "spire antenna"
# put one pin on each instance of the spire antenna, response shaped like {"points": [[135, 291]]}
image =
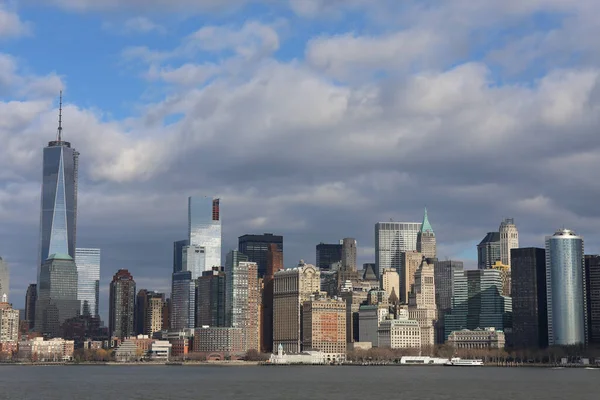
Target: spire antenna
{"points": [[60, 119]]}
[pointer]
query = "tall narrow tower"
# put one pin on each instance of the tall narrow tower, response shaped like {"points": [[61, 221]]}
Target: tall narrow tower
{"points": [[58, 218], [509, 239], [426, 243]]}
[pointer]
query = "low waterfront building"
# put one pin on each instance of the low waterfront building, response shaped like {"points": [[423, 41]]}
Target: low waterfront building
{"points": [[218, 339], [305, 357], [38, 349], [488, 338], [423, 360], [134, 348], [160, 350]]}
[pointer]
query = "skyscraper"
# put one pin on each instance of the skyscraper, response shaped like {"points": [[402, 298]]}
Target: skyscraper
{"points": [[444, 278], [30, 300], [291, 288], [122, 305], [88, 280], [274, 265], [392, 239], [328, 254], [509, 239], [347, 269], [243, 298], [4, 281], [148, 312], [477, 302], [421, 303], [256, 247], [390, 282], [565, 287], [210, 298], [59, 198], [409, 263], [183, 301], [204, 228], [178, 254], [426, 242], [528, 289], [488, 250], [57, 294], [193, 259], [592, 279]]}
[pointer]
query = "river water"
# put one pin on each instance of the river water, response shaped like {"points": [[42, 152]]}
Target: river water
{"points": [[296, 382]]}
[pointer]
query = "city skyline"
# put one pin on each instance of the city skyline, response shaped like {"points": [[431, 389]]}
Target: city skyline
{"points": [[394, 143]]}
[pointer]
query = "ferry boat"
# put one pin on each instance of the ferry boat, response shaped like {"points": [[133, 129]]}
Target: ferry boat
{"points": [[459, 362]]}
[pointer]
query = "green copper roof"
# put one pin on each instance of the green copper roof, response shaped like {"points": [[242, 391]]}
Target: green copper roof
{"points": [[426, 226], [59, 256]]}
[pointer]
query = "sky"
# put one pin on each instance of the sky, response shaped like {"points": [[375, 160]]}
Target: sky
{"points": [[313, 119]]}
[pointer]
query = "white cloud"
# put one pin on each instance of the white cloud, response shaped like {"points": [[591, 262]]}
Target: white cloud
{"points": [[134, 25], [11, 25]]}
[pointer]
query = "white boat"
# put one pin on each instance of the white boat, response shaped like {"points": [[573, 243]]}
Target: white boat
{"points": [[459, 362]]}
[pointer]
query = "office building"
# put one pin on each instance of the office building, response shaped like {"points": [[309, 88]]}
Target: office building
{"points": [[421, 303], [509, 239], [565, 288], [122, 305], [390, 281], [210, 298], [149, 312], [592, 279], [409, 263], [256, 248], [30, 300], [324, 327], [204, 228], [243, 298], [443, 277], [183, 301], [9, 324], [193, 259], [58, 220], [354, 299], [88, 280], [370, 272], [477, 301], [291, 288], [178, 254], [4, 281], [57, 294], [486, 339], [506, 276], [274, 265], [400, 333], [328, 254], [370, 317], [347, 267], [529, 302], [488, 250], [392, 239], [222, 339], [426, 242]]}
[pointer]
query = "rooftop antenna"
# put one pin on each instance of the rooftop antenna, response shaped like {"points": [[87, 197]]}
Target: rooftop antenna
{"points": [[60, 119]]}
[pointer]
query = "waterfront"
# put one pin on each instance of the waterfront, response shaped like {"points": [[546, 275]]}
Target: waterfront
{"points": [[294, 382]]}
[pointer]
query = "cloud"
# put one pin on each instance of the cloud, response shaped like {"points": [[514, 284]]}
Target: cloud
{"points": [[11, 25], [165, 5], [135, 25]]}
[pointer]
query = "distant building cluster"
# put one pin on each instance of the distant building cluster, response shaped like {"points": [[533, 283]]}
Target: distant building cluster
{"points": [[407, 299]]}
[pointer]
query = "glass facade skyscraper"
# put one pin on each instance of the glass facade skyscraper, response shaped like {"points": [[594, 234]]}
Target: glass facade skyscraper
{"points": [[488, 250], [178, 254], [88, 275], [327, 254], [392, 239], [59, 200], [204, 228], [256, 248], [183, 301], [565, 288]]}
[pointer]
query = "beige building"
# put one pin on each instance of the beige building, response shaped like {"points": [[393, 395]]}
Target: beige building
{"points": [[505, 276], [509, 239], [154, 316], [9, 324], [209, 339], [421, 304], [291, 288], [401, 333], [409, 265], [488, 338], [324, 327], [38, 349], [390, 281]]}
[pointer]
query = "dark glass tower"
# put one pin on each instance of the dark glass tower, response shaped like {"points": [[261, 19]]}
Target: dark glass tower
{"points": [[58, 219], [327, 254], [488, 250], [256, 248], [592, 279], [122, 305]]}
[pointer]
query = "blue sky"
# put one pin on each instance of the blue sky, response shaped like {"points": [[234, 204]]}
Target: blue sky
{"points": [[309, 118]]}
